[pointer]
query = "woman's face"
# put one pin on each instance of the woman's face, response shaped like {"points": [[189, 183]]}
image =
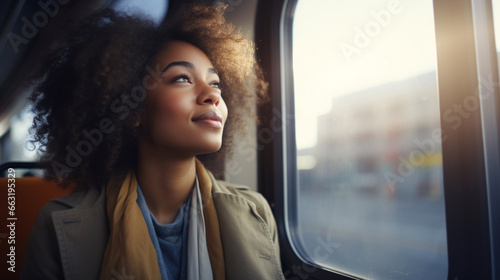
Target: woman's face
{"points": [[185, 113]]}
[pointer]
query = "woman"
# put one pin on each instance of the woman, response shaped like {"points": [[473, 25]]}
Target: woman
{"points": [[123, 112]]}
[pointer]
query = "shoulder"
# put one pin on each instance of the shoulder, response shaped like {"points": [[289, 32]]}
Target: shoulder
{"points": [[236, 200], [51, 241], [245, 193], [84, 199], [81, 199], [223, 187], [42, 259]]}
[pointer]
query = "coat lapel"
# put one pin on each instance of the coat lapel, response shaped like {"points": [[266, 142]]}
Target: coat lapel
{"points": [[81, 257]]}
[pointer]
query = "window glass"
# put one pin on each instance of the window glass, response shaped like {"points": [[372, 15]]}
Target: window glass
{"points": [[496, 22], [14, 142], [367, 199], [496, 25], [154, 9]]}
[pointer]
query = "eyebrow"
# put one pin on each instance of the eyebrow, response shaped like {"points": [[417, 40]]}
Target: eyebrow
{"points": [[187, 65]]}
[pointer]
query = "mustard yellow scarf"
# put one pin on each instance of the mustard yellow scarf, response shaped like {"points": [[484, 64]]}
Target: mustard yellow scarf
{"points": [[130, 251]]}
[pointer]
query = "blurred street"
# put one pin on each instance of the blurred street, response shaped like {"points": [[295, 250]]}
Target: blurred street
{"points": [[372, 236]]}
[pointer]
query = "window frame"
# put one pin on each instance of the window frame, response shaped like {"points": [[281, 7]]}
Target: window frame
{"points": [[487, 63], [271, 36], [472, 194], [466, 186]]}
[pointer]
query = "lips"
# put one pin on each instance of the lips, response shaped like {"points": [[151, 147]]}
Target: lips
{"points": [[210, 119]]}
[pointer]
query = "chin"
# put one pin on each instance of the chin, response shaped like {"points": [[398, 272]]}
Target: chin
{"points": [[208, 149]]}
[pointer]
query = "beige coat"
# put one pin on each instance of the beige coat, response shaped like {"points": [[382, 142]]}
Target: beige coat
{"points": [[69, 237]]}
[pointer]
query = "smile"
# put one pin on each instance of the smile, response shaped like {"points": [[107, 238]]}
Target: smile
{"points": [[210, 119]]}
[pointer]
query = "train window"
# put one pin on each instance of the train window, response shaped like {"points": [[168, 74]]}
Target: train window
{"points": [[14, 145], [154, 9], [367, 199], [496, 21]]}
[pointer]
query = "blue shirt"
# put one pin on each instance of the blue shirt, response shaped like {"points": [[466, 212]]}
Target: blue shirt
{"points": [[170, 240]]}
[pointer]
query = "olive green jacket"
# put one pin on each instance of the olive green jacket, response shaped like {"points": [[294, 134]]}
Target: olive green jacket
{"points": [[70, 234]]}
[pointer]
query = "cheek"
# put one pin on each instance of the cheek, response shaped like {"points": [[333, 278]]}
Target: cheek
{"points": [[165, 116], [169, 106]]}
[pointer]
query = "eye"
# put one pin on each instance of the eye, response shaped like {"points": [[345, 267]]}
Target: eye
{"points": [[216, 85], [182, 78]]}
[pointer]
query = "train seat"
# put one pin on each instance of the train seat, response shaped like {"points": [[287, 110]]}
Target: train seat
{"points": [[30, 195]]}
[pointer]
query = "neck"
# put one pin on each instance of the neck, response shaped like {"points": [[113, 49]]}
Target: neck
{"points": [[166, 182]]}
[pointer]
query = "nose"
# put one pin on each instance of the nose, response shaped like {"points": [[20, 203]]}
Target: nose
{"points": [[209, 95]]}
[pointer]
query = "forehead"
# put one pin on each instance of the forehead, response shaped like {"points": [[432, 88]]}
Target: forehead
{"points": [[183, 51]]}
